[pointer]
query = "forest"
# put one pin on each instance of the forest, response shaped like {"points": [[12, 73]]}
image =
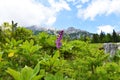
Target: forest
{"points": [[28, 56], [106, 38]]}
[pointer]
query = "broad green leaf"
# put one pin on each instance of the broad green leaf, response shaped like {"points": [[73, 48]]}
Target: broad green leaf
{"points": [[26, 73], [37, 77], [59, 76], [1, 53], [49, 77], [56, 55], [42, 71], [35, 71], [14, 74]]}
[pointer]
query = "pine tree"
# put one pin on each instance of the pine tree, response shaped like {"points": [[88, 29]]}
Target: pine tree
{"points": [[114, 36], [95, 38], [108, 37], [102, 37]]}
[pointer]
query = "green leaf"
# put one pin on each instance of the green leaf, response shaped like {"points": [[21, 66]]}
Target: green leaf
{"points": [[35, 71], [59, 76], [1, 53], [13, 73], [7, 40], [56, 55], [26, 73], [37, 77], [31, 42], [42, 71], [49, 77]]}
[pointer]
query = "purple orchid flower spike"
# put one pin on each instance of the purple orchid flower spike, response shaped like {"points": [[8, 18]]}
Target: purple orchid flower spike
{"points": [[58, 41]]}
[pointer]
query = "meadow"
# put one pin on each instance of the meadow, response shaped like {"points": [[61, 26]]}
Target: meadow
{"points": [[25, 56]]}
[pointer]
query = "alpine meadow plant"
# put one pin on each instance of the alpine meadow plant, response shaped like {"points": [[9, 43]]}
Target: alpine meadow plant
{"points": [[43, 56], [59, 38]]}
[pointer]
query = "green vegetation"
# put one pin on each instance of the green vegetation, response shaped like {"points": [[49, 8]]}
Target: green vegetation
{"points": [[24, 56], [105, 38]]}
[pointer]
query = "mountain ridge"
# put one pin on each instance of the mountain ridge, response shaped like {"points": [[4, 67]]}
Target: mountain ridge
{"points": [[72, 32]]}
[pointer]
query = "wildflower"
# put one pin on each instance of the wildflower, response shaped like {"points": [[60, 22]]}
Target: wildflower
{"points": [[11, 54], [58, 41]]}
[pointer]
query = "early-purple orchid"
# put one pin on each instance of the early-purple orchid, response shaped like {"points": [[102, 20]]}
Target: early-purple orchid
{"points": [[58, 41]]}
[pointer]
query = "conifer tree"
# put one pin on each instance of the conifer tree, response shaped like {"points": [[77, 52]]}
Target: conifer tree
{"points": [[95, 38], [114, 36], [102, 37], [108, 37]]}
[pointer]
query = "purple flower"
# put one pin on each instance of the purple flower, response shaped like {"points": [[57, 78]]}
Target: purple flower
{"points": [[58, 41]]}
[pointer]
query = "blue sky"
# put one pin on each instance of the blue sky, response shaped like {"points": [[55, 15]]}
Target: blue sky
{"points": [[89, 15]]}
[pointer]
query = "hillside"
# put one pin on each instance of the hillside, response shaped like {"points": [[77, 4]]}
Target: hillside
{"points": [[71, 32]]}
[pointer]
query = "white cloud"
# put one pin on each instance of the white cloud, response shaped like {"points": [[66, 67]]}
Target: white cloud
{"points": [[76, 2], [84, 1], [70, 0], [51, 20], [57, 6], [99, 7], [105, 28], [30, 12]]}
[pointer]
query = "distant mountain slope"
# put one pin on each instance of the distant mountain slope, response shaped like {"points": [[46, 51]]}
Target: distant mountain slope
{"points": [[71, 32], [76, 33]]}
